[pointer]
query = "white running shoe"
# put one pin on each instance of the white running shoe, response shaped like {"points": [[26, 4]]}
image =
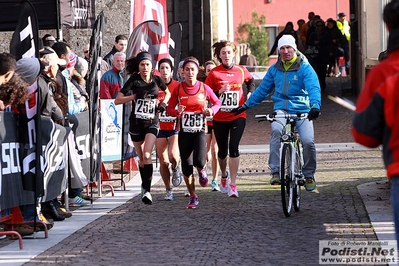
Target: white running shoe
{"points": [[224, 183], [147, 198], [176, 177], [169, 195]]}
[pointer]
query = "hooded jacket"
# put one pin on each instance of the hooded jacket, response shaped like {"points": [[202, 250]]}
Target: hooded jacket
{"points": [[294, 90], [376, 119]]}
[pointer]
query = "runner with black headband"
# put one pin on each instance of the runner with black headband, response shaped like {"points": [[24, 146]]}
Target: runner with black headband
{"points": [[142, 90], [166, 144]]}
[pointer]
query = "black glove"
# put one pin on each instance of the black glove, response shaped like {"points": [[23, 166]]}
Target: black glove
{"points": [[162, 107], [313, 114], [240, 109]]}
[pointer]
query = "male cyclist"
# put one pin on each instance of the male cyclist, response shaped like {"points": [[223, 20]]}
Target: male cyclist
{"points": [[295, 88]]}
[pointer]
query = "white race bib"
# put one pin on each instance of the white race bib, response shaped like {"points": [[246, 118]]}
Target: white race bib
{"points": [[229, 101], [163, 117], [192, 122], [145, 108]]}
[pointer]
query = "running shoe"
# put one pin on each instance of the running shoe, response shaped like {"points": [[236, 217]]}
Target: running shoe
{"points": [[203, 177], [275, 180], [176, 177], [186, 193], [147, 198], [233, 191], [224, 184], [215, 185], [169, 195], [310, 184], [192, 204]]}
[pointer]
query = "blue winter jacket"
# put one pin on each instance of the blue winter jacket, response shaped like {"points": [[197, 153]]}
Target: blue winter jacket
{"points": [[294, 90]]}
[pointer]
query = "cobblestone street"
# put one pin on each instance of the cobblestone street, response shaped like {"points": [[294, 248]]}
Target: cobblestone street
{"points": [[250, 230]]}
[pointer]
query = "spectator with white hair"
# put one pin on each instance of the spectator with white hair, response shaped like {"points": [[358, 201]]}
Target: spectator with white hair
{"points": [[112, 80]]}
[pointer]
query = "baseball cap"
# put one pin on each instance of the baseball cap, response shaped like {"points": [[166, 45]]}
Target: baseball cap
{"points": [[51, 59], [45, 50]]}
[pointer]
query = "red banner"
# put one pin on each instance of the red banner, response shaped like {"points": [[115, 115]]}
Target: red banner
{"points": [[155, 10]]}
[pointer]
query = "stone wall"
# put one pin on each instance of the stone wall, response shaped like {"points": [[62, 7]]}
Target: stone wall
{"points": [[117, 14]]}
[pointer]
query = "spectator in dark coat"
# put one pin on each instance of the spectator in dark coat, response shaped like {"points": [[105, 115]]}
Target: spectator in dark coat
{"points": [[288, 29], [321, 40]]}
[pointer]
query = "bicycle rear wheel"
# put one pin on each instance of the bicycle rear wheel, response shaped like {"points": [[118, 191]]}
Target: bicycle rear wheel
{"points": [[286, 178], [298, 175]]}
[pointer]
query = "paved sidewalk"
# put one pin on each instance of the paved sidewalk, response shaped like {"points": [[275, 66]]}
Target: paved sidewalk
{"points": [[250, 230]]}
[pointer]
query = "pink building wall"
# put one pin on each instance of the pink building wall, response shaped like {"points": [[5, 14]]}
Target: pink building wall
{"points": [[281, 11]]}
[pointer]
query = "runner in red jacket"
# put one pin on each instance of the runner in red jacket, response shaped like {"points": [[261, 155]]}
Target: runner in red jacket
{"points": [[376, 121]]}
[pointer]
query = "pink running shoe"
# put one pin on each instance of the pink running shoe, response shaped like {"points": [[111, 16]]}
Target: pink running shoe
{"points": [[203, 177], [192, 204], [233, 191]]}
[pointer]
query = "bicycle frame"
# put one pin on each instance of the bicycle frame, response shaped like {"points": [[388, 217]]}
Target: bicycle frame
{"points": [[292, 138], [291, 161]]}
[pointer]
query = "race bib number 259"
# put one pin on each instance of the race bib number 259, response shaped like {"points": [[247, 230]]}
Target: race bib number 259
{"points": [[145, 108]]}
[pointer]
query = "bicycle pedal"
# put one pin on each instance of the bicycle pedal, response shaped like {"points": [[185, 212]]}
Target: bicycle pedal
{"points": [[301, 182]]}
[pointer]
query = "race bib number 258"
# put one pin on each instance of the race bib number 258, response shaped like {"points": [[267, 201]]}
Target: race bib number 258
{"points": [[229, 100]]}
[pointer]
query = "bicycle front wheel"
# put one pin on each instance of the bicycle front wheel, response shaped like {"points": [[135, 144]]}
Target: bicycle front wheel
{"points": [[298, 175], [286, 178]]}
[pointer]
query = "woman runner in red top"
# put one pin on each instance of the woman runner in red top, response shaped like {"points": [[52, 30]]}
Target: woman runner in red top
{"points": [[142, 89], [192, 97], [210, 138], [226, 81], [166, 144]]}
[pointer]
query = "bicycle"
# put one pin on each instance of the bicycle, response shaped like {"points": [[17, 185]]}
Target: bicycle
{"points": [[291, 160]]}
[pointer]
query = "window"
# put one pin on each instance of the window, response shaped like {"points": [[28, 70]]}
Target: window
{"points": [[272, 31]]}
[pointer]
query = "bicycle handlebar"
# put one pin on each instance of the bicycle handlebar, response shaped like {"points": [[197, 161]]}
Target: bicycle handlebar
{"points": [[271, 117]]}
